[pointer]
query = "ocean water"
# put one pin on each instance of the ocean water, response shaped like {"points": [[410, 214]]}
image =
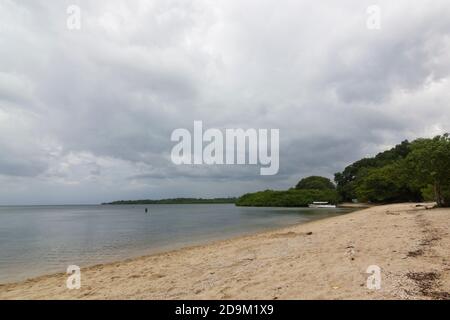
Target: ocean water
{"points": [[38, 240]]}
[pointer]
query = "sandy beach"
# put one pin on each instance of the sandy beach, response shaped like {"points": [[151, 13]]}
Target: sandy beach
{"points": [[325, 259]]}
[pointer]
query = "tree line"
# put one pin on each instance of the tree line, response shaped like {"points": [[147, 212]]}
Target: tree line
{"points": [[411, 171], [308, 190]]}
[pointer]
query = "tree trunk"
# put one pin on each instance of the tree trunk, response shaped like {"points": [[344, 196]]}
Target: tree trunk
{"points": [[438, 193]]}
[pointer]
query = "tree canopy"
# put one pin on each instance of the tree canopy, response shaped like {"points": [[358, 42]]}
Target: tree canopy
{"points": [[308, 190], [287, 198], [411, 171], [315, 182]]}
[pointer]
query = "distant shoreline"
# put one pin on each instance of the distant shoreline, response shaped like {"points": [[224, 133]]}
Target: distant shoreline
{"points": [[173, 201], [343, 205]]}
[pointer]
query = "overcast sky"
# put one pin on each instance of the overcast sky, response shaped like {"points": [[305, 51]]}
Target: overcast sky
{"points": [[86, 115]]}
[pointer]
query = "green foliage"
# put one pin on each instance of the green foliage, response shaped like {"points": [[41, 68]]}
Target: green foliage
{"points": [[348, 181], [429, 164], [428, 193], [289, 198], [308, 190], [414, 171], [386, 184], [315, 182]]}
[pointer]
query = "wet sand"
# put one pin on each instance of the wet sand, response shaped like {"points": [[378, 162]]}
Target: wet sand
{"points": [[325, 259]]}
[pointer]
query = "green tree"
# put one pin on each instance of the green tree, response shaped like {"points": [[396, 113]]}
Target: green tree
{"points": [[414, 171], [429, 164], [288, 198], [387, 184], [348, 180], [315, 182]]}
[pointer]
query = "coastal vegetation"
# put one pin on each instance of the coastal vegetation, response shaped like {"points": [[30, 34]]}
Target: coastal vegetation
{"points": [[288, 198], [411, 171], [308, 190], [316, 183]]}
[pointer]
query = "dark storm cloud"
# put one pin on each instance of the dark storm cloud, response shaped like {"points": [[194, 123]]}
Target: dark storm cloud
{"points": [[86, 115]]}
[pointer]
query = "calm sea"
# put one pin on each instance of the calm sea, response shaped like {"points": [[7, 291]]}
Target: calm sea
{"points": [[37, 240]]}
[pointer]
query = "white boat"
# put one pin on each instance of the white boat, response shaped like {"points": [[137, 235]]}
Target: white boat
{"points": [[321, 204]]}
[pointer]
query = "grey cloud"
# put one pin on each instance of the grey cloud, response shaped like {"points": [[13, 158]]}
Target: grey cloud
{"points": [[370, 67], [21, 168], [87, 115]]}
